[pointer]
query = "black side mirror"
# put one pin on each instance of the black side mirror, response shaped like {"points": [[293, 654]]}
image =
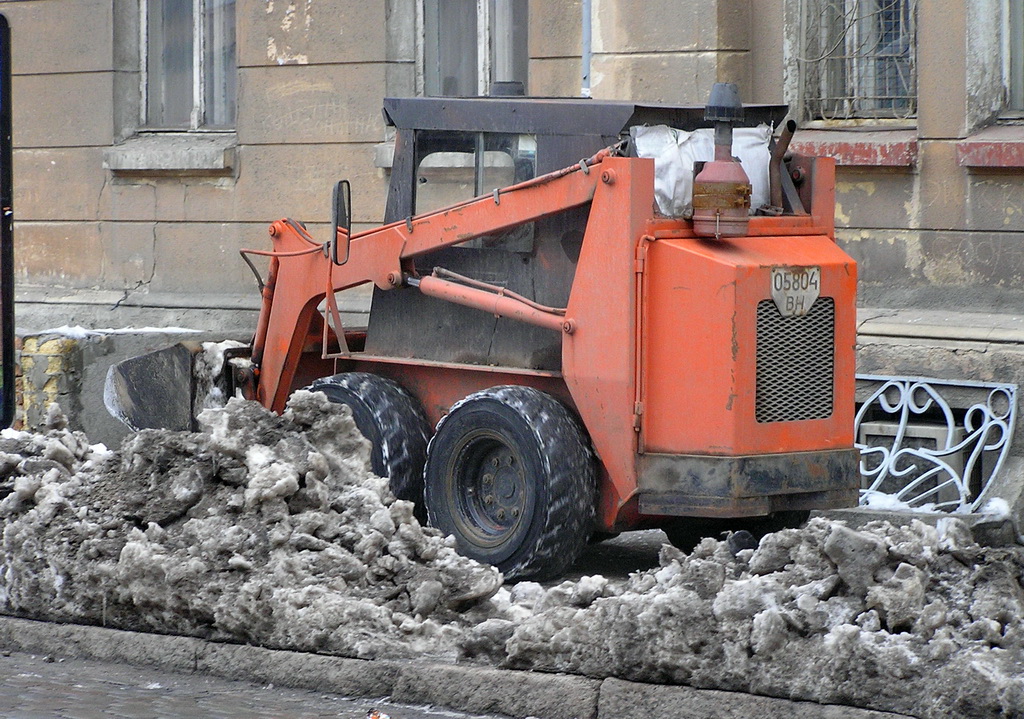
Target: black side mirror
{"points": [[7, 394], [341, 220]]}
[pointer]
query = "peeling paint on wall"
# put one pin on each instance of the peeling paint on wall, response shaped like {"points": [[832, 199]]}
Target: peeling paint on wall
{"points": [[845, 188], [285, 47], [597, 31], [283, 57], [1009, 215], [914, 255], [947, 270], [841, 217], [997, 203]]}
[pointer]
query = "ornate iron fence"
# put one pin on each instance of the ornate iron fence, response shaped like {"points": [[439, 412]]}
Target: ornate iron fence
{"points": [[920, 452]]}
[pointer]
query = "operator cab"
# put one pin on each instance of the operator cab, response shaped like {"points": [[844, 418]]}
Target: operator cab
{"points": [[448, 150]]}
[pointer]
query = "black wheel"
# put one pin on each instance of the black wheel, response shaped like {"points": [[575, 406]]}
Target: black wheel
{"points": [[391, 419], [510, 474]]}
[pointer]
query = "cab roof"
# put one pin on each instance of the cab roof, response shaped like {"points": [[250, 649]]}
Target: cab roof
{"points": [[553, 116]]}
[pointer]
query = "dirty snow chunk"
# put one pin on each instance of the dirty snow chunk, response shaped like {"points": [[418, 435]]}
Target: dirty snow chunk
{"points": [[25, 487], [858, 555], [588, 589], [899, 599], [268, 478], [208, 371], [249, 537], [996, 508], [954, 534], [773, 552], [769, 632], [159, 536], [487, 639], [744, 598]]}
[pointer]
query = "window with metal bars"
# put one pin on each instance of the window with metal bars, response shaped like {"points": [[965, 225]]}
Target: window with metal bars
{"points": [[857, 59]]}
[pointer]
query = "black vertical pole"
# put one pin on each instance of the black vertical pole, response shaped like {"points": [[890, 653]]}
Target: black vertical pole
{"points": [[6, 231]]}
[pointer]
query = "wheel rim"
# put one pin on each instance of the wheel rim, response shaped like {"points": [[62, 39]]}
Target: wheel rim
{"points": [[488, 485]]}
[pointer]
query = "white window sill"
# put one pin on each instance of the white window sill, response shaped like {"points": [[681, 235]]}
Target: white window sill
{"points": [[176, 153], [384, 155]]}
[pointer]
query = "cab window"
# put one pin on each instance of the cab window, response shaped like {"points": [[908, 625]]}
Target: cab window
{"points": [[456, 166]]}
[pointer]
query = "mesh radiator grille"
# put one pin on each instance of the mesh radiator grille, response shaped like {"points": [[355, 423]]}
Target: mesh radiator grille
{"points": [[795, 363]]}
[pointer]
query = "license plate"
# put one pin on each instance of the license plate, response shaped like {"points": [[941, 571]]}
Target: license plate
{"points": [[794, 289]]}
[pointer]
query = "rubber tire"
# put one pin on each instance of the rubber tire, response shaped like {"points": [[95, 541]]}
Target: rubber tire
{"points": [[545, 469], [393, 422], [687, 532]]}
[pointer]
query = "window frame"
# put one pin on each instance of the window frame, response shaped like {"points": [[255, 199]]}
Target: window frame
{"points": [[1012, 51], [489, 44], [804, 92], [479, 144], [200, 75]]}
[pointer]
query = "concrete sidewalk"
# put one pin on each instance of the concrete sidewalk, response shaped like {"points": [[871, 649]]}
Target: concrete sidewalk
{"points": [[463, 688], [976, 327]]}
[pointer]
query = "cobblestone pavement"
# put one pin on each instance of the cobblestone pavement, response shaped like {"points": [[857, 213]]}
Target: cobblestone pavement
{"points": [[35, 687]]}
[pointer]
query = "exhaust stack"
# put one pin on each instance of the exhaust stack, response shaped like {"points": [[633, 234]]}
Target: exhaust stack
{"points": [[721, 191]]}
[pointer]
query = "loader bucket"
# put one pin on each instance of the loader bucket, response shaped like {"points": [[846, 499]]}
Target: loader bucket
{"points": [[154, 390]]}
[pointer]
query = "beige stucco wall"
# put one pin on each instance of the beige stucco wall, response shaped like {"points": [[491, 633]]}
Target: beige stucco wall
{"points": [[938, 234], [660, 51], [931, 234], [310, 82], [103, 248], [311, 79]]}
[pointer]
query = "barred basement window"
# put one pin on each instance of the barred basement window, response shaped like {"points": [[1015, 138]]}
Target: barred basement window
{"points": [[857, 59]]}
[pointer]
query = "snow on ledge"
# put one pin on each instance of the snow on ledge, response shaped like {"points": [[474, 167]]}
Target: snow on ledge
{"points": [[80, 333]]}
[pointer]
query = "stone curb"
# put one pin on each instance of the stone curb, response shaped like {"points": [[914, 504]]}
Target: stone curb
{"points": [[499, 691], [456, 687], [634, 700]]}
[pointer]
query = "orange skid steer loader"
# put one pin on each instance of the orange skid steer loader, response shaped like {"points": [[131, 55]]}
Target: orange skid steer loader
{"points": [[571, 354]]}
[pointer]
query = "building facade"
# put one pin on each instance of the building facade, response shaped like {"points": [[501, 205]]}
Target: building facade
{"points": [[154, 138]]}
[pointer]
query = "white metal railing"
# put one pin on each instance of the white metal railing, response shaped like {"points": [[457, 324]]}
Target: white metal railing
{"points": [[918, 452]]}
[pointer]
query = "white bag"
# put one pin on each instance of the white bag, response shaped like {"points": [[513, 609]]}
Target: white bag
{"points": [[676, 151]]}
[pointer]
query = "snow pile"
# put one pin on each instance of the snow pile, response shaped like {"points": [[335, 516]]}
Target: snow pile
{"points": [[910, 619], [271, 530], [209, 374], [263, 529]]}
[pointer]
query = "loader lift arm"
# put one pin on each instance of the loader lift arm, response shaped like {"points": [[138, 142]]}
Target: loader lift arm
{"points": [[302, 274]]}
